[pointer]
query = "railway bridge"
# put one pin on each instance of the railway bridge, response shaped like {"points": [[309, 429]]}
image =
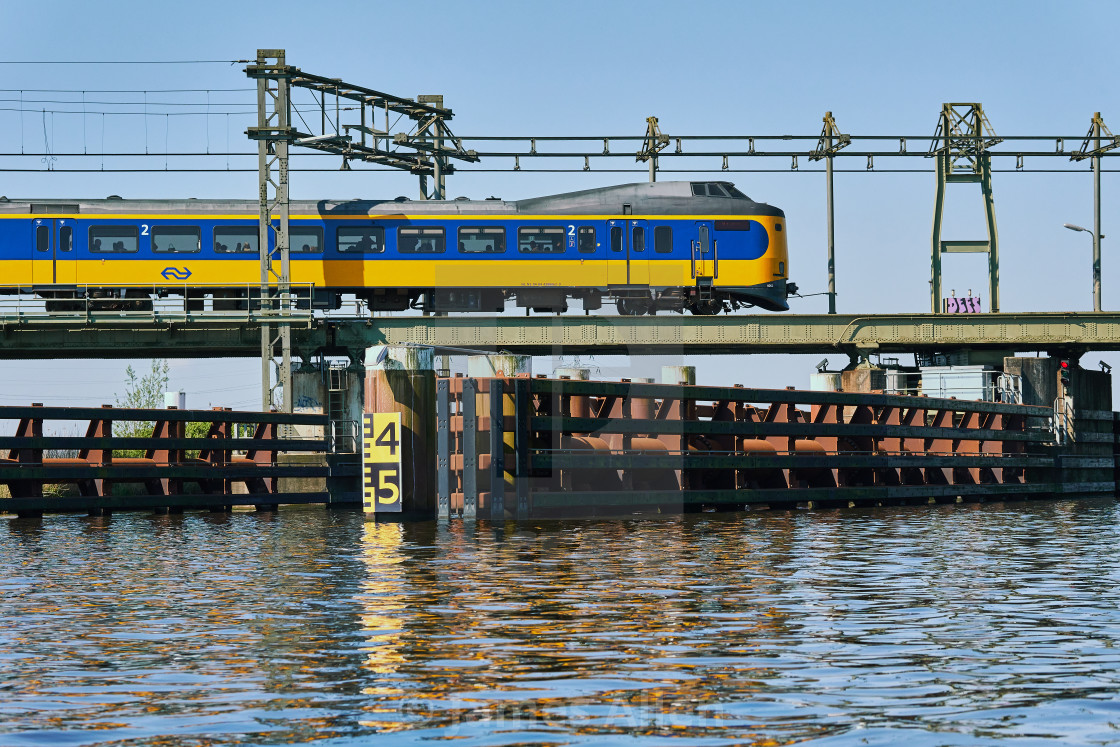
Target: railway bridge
{"points": [[91, 333]]}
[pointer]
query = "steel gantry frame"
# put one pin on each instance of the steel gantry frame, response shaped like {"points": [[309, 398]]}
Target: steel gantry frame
{"points": [[426, 152], [434, 145], [960, 145]]}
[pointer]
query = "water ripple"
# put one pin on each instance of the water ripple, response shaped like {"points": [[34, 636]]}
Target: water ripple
{"points": [[955, 625]]}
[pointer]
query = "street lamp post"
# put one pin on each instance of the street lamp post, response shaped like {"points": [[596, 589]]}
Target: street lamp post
{"points": [[1096, 262]]}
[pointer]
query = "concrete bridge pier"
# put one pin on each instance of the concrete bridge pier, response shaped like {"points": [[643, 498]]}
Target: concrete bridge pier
{"points": [[1085, 426], [402, 378], [319, 389]]}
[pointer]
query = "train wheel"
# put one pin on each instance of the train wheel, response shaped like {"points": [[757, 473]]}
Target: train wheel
{"points": [[710, 307], [136, 300], [633, 306], [56, 306]]}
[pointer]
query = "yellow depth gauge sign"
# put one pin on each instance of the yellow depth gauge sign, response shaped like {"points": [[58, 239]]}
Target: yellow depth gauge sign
{"points": [[381, 462]]}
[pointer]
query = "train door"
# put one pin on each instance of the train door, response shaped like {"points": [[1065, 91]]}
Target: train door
{"points": [[703, 254], [53, 252], [627, 256], [618, 266], [638, 252]]}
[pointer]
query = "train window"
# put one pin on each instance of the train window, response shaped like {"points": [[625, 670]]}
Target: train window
{"points": [[103, 239], [42, 238], [482, 239], [360, 239], [716, 189], [176, 238], [306, 239], [586, 239], [421, 239], [540, 239], [236, 239], [663, 239], [616, 238], [639, 240], [66, 238]]}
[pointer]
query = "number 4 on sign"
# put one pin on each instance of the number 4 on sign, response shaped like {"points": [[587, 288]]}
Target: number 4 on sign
{"points": [[388, 439]]}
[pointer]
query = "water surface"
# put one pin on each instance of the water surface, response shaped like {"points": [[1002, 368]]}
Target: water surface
{"points": [[939, 625]]}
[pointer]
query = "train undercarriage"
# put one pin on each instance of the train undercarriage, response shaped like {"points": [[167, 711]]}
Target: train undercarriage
{"points": [[628, 300]]}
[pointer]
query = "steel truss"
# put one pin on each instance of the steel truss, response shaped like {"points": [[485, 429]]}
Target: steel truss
{"points": [[275, 131], [426, 152], [960, 146]]}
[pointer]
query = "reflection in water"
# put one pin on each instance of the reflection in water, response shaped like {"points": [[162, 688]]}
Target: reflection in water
{"points": [[939, 625], [382, 615]]}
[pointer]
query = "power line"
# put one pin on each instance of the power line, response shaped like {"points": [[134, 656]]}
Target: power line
{"points": [[126, 90], [249, 109], [92, 112], [26, 100], [462, 170], [121, 62]]}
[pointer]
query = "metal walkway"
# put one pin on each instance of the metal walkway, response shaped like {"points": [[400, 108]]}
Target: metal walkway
{"points": [[237, 334]]}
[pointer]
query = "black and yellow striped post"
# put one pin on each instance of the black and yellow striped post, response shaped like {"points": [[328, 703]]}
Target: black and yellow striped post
{"points": [[381, 462]]}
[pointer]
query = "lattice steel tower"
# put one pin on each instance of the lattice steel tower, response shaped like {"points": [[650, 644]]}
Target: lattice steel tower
{"points": [[960, 145]]}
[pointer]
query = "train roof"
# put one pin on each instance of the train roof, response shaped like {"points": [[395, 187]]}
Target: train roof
{"points": [[644, 198]]}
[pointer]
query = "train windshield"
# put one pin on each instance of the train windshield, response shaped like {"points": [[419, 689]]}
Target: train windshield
{"points": [[717, 189]]}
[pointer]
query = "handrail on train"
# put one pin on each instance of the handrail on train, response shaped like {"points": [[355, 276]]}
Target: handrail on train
{"points": [[65, 303]]}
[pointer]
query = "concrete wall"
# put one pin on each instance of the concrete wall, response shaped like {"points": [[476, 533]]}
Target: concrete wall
{"points": [[1040, 378], [863, 380], [309, 397]]}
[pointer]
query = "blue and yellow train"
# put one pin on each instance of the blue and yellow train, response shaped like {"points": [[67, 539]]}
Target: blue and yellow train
{"points": [[701, 246]]}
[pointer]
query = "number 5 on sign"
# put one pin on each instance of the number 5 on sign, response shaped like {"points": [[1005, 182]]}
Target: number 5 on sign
{"points": [[381, 462]]}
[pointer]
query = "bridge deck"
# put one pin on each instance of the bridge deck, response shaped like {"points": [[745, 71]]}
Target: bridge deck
{"points": [[210, 334]]}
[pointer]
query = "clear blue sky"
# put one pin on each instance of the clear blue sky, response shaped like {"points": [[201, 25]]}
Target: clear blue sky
{"points": [[591, 68]]}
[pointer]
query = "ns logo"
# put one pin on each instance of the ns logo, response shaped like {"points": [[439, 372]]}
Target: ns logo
{"points": [[174, 273]]}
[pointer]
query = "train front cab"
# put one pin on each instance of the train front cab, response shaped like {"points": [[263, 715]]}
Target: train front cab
{"points": [[743, 260], [700, 264]]}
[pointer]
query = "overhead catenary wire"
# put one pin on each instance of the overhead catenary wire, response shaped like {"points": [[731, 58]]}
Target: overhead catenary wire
{"points": [[124, 90], [698, 170], [121, 62], [102, 102], [199, 102]]}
